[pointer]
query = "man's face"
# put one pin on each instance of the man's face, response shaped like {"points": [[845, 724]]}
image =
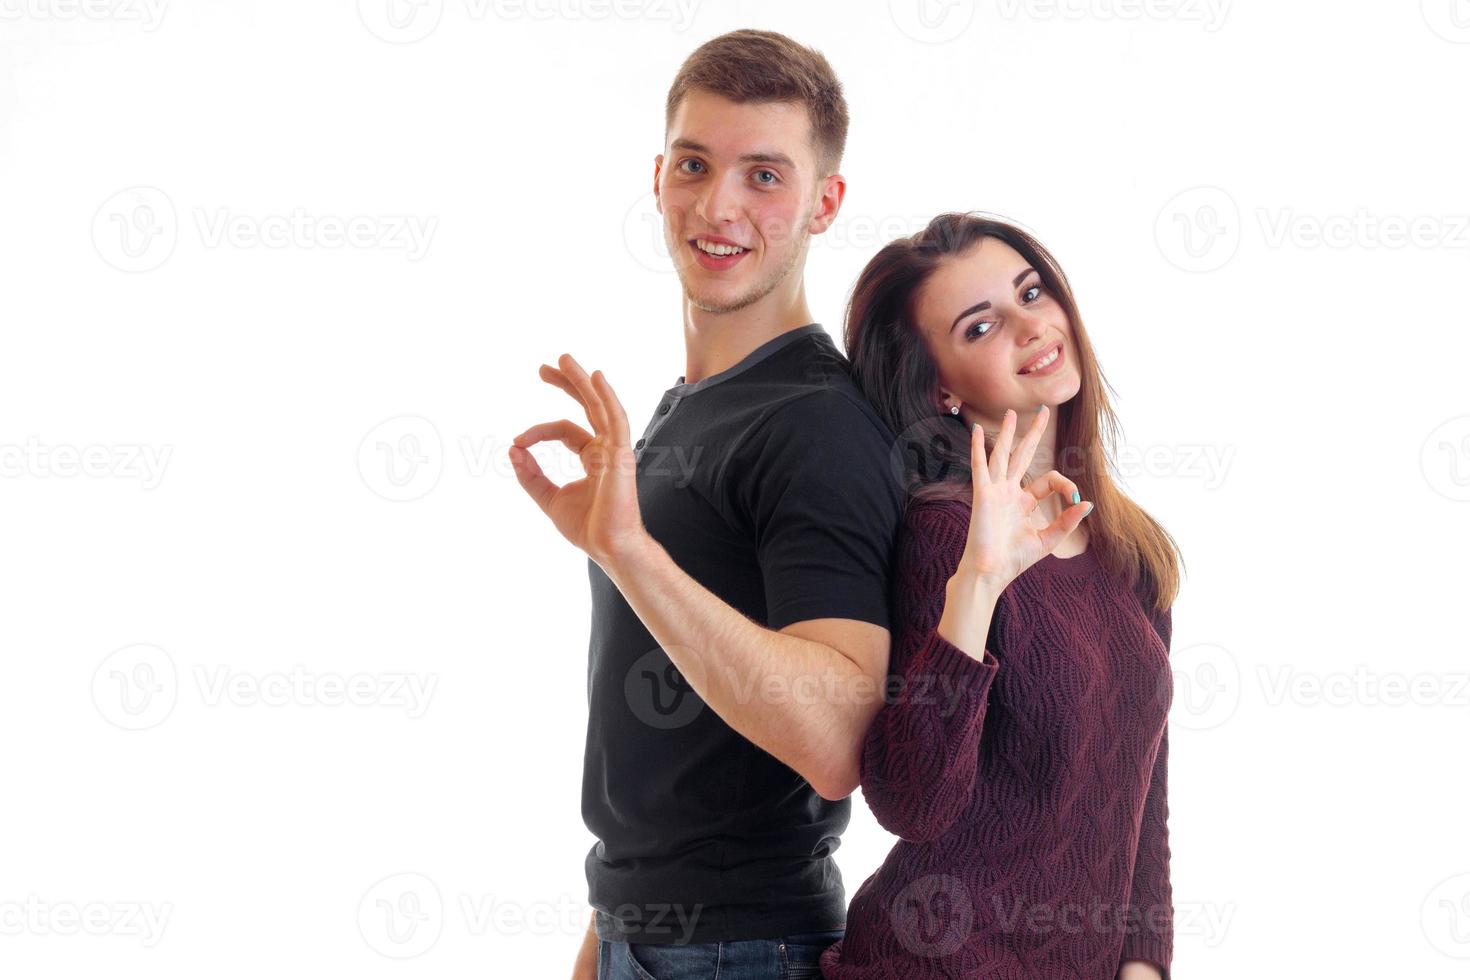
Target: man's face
{"points": [[738, 179]]}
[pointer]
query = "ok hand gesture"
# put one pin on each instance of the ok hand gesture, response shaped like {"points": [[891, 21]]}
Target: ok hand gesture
{"points": [[1002, 541], [598, 513]]}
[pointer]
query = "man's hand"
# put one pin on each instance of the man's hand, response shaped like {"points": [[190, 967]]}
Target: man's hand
{"points": [[586, 966], [598, 513]]}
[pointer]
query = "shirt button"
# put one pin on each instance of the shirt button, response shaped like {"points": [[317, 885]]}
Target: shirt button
{"points": [[639, 444], [663, 409]]}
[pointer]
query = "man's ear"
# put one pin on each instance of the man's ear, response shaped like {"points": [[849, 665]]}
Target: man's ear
{"points": [[658, 166], [829, 201]]}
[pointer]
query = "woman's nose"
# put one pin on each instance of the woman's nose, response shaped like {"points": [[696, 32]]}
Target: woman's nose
{"points": [[1029, 327]]}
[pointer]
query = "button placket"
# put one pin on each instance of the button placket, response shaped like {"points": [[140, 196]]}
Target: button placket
{"points": [[660, 416]]}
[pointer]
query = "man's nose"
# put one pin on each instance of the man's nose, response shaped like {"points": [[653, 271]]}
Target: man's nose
{"points": [[718, 203]]}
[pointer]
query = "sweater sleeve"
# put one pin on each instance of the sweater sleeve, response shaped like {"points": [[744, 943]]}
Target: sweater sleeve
{"points": [[1150, 934], [921, 753]]}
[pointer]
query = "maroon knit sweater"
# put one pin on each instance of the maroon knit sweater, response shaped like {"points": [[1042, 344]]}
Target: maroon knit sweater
{"points": [[1028, 789]]}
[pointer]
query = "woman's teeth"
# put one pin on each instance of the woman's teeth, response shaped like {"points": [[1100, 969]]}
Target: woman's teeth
{"points": [[1043, 362], [712, 248]]}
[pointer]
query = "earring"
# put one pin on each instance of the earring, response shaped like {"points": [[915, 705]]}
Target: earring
{"points": [[954, 410]]}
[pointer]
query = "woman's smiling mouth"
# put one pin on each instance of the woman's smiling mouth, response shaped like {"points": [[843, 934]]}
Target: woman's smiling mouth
{"points": [[1045, 363]]}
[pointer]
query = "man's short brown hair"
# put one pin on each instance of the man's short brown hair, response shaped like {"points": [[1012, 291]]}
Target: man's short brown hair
{"points": [[763, 66]]}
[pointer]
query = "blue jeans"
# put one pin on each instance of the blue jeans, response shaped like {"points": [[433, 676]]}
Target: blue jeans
{"points": [[783, 958]]}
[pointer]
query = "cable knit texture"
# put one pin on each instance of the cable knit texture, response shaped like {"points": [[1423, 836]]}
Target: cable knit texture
{"points": [[1028, 789]]}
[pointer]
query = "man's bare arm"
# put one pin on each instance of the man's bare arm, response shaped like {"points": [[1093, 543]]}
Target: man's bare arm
{"points": [[805, 694]]}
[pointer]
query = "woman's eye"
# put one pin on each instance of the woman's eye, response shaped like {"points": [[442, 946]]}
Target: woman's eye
{"points": [[973, 331], [1032, 294]]}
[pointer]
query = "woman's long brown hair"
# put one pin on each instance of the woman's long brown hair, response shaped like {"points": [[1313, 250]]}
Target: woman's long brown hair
{"points": [[896, 372]]}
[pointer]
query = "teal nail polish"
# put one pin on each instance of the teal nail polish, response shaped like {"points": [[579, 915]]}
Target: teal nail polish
{"points": [[1076, 497], [1039, 408]]}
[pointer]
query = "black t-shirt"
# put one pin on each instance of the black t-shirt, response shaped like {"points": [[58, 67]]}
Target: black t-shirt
{"points": [[769, 484]]}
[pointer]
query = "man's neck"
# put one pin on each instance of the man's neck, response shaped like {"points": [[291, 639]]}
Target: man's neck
{"points": [[715, 342]]}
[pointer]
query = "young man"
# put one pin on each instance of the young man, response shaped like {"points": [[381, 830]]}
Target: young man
{"points": [[738, 554]]}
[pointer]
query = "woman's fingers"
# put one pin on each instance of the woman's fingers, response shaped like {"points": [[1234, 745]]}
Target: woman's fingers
{"points": [[1053, 482], [1001, 454], [1057, 531], [1021, 458], [979, 474]]}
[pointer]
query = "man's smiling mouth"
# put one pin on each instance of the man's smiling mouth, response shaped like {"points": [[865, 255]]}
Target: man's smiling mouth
{"points": [[712, 247]]}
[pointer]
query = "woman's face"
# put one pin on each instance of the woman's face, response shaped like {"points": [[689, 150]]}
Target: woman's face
{"points": [[999, 339]]}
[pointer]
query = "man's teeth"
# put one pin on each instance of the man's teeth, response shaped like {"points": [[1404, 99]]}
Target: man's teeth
{"points": [[715, 249], [1043, 362]]}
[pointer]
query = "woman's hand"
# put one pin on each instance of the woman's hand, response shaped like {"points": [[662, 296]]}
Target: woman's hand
{"points": [[1002, 542]]}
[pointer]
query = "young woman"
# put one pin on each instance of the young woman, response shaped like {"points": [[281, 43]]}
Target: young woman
{"points": [[1021, 753]]}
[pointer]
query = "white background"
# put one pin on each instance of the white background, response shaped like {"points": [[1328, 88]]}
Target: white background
{"points": [[1262, 207]]}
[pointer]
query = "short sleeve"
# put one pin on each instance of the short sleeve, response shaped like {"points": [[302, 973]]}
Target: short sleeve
{"points": [[815, 485]]}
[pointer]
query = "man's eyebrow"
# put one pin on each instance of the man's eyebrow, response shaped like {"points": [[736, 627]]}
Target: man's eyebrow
{"points": [[986, 304], [763, 156]]}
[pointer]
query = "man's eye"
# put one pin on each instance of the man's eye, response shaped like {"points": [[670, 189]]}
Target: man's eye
{"points": [[769, 173], [690, 163]]}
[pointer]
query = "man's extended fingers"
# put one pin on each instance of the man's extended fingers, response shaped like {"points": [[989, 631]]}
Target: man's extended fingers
{"points": [[616, 416], [591, 400], [565, 431], [553, 376]]}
